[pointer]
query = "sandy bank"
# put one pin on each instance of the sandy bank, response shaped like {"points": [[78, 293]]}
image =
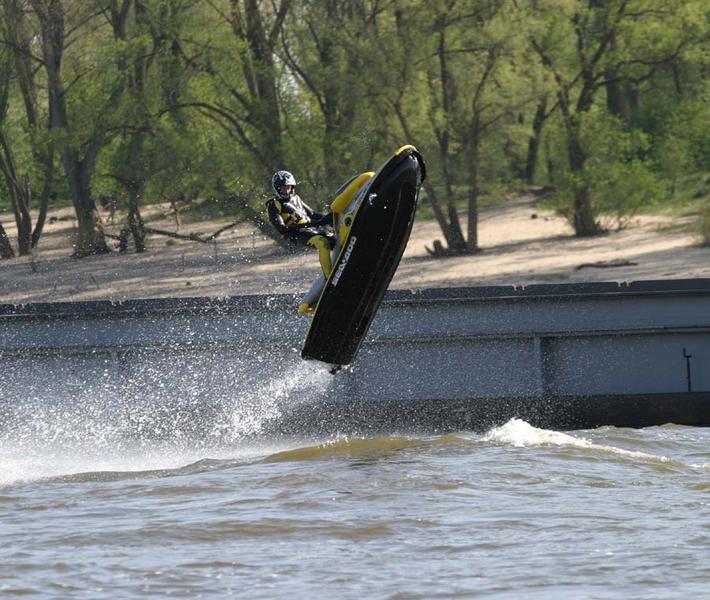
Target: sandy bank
{"points": [[521, 246]]}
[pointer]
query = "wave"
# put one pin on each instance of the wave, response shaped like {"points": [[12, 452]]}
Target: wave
{"points": [[92, 449], [358, 446], [97, 433], [519, 433]]}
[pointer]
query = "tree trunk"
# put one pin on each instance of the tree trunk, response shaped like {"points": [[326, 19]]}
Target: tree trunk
{"points": [[21, 214], [134, 225], [20, 37], [450, 235], [615, 97], [19, 191], [455, 238], [44, 198], [474, 188], [24, 219], [135, 220], [633, 100], [473, 193], [534, 141], [6, 250], [453, 232], [584, 221], [615, 100], [90, 236], [551, 168], [265, 106]]}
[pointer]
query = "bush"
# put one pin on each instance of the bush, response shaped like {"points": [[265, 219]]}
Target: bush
{"points": [[622, 190], [619, 178], [682, 142]]}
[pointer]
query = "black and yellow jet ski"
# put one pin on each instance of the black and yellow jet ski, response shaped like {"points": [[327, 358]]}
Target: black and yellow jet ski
{"points": [[373, 216]]}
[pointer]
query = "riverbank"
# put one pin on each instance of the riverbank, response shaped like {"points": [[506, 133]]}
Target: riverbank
{"points": [[521, 246]]}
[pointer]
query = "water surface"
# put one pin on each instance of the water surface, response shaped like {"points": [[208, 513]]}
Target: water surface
{"points": [[99, 503]]}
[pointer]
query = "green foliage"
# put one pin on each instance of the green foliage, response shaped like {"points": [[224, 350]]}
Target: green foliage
{"points": [[201, 101], [619, 177]]}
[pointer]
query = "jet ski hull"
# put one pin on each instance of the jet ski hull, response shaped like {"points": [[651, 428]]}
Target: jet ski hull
{"points": [[367, 261]]}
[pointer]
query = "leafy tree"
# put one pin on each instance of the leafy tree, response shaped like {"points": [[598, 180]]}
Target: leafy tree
{"points": [[22, 175], [592, 45], [81, 111], [194, 100], [622, 181], [238, 89], [154, 84], [470, 55], [328, 47]]}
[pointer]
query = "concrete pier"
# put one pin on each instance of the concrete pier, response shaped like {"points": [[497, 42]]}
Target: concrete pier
{"points": [[568, 355]]}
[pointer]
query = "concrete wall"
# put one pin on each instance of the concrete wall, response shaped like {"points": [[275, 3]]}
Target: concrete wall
{"points": [[459, 345]]}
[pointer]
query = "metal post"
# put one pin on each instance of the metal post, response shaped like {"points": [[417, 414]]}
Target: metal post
{"points": [[539, 361], [687, 368]]}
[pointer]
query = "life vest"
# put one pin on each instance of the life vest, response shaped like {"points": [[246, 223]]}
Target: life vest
{"points": [[292, 211]]}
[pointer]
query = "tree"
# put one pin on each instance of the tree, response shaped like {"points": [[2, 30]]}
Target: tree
{"points": [[153, 47], [469, 58], [83, 128], [17, 62], [328, 46], [614, 40], [542, 113], [201, 100], [240, 96]]}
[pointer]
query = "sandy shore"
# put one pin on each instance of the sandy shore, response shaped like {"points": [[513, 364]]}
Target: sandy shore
{"points": [[521, 246]]}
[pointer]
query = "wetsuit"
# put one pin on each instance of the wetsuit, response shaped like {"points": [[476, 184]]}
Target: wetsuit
{"points": [[299, 223]]}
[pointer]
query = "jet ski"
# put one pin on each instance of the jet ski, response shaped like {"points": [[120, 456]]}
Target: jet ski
{"points": [[373, 215]]}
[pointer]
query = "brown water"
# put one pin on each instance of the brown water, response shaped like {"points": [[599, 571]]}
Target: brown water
{"points": [[96, 506]]}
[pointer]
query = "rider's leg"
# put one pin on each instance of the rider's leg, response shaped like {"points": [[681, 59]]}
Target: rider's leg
{"points": [[324, 243], [321, 244]]}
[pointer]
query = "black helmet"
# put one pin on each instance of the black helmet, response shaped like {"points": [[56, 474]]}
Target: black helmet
{"points": [[280, 179]]}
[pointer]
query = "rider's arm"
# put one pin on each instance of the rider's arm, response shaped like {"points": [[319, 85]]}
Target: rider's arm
{"points": [[276, 219], [309, 211], [316, 217]]}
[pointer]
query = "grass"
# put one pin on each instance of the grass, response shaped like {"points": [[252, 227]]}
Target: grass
{"points": [[691, 193], [553, 277]]}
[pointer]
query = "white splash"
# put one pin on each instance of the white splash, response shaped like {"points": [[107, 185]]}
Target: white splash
{"points": [[44, 462], [519, 433], [259, 405], [98, 431]]}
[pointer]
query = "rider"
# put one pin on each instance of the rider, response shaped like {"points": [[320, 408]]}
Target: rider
{"points": [[298, 222]]}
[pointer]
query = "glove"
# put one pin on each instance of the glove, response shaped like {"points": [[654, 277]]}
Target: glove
{"points": [[318, 219]]}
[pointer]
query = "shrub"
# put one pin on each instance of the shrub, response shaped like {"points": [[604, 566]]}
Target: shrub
{"points": [[620, 180]]}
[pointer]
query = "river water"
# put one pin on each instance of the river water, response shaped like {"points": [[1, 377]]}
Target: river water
{"points": [[95, 504]]}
